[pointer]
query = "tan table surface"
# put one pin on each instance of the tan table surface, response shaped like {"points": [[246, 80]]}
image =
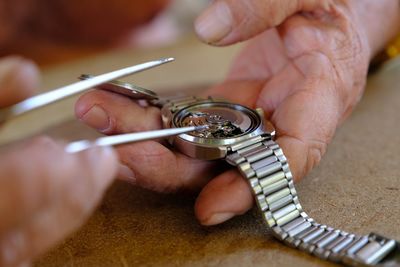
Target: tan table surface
{"points": [[356, 187]]}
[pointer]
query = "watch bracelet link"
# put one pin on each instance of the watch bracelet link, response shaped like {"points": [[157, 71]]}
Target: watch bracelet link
{"points": [[262, 162], [266, 168]]}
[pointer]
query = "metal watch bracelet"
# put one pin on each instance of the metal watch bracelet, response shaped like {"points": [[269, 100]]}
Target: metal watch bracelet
{"points": [[262, 162]]}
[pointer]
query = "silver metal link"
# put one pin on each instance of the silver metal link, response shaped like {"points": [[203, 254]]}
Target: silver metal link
{"points": [[312, 235], [337, 242], [373, 257], [277, 196], [358, 244], [281, 203], [342, 244], [293, 224], [288, 217], [272, 179], [269, 169], [274, 187], [264, 162], [368, 250], [305, 225], [265, 166], [326, 240], [283, 211], [259, 155]]}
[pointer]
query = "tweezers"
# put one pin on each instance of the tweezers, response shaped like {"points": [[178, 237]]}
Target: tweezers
{"points": [[114, 140], [53, 96]]}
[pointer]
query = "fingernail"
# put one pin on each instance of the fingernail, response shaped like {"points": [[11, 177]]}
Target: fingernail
{"points": [[218, 218], [215, 23], [97, 118], [125, 173]]}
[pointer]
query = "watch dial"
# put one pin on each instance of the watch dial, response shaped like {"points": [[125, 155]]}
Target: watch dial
{"points": [[224, 120]]}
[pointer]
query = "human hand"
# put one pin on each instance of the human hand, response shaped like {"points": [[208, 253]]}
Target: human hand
{"points": [[306, 68], [45, 193]]}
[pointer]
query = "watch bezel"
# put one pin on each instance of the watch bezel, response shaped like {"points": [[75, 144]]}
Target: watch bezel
{"points": [[255, 117], [214, 148]]}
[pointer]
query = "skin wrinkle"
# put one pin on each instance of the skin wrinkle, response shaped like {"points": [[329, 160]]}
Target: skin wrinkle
{"points": [[292, 62], [347, 56], [248, 20], [351, 89], [183, 181], [271, 68], [315, 147], [321, 45], [241, 72], [358, 47], [169, 184]]}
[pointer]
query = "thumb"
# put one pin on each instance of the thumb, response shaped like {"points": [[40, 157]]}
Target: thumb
{"points": [[226, 22]]}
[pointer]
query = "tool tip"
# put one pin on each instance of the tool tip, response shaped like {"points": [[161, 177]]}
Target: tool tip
{"points": [[167, 59], [201, 127]]}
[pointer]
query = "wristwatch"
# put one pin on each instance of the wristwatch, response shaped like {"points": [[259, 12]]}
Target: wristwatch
{"points": [[240, 136]]}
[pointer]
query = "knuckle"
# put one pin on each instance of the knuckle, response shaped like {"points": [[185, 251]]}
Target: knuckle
{"points": [[149, 161]]}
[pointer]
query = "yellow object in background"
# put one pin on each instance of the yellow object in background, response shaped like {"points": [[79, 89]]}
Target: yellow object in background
{"points": [[393, 49]]}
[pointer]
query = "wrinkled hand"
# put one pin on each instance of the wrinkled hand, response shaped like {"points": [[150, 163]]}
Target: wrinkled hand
{"points": [[45, 193], [306, 68]]}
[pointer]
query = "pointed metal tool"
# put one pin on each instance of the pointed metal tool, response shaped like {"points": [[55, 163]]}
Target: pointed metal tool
{"points": [[78, 146], [44, 99]]}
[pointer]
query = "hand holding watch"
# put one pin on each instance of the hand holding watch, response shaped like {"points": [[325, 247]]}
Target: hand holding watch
{"points": [[212, 129], [241, 136]]}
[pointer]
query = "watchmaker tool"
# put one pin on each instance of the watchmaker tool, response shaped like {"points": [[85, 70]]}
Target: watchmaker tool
{"points": [[47, 98], [129, 138]]}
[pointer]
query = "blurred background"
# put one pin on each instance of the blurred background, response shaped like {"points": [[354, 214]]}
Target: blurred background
{"points": [[53, 31]]}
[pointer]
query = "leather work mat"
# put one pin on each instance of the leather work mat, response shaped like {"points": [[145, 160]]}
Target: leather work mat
{"points": [[355, 188]]}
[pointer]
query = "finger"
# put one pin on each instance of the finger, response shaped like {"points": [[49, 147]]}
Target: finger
{"points": [[305, 112], [242, 92], [112, 113], [153, 166], [306, 119], [62, 195], [19, 78], [222, 198], [32, 177], [229, 21], [263, 57]]}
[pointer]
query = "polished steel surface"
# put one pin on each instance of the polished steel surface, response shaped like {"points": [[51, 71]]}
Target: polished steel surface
{"points": [[294, 227], [114, 140], [55, 95], [194, 146], [127, 89]]}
